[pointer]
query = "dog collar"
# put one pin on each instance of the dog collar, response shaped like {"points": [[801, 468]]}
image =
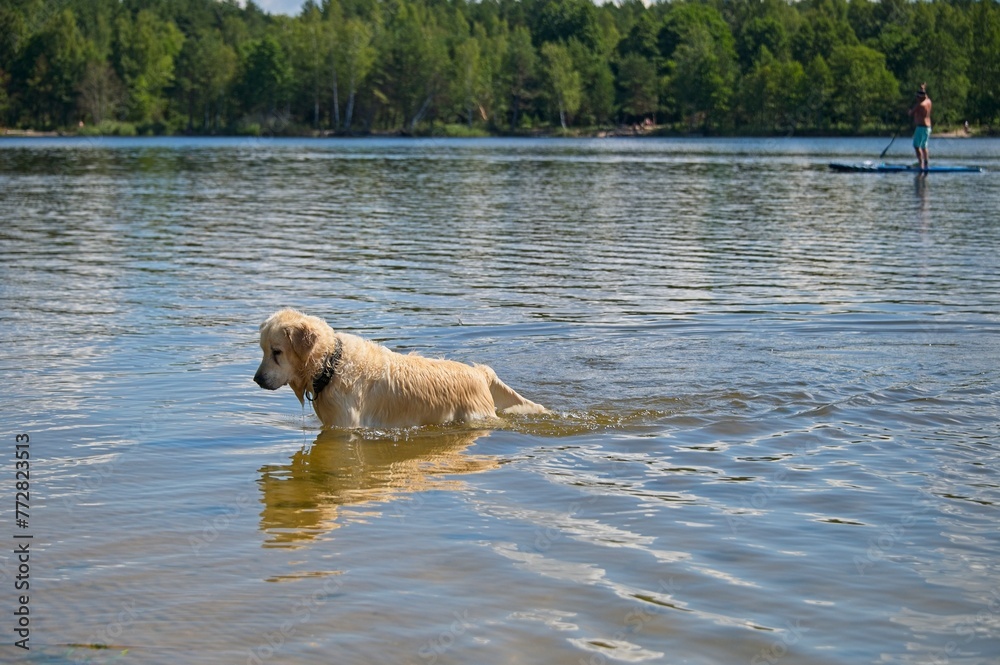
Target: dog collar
{"points": [[322, 380]]}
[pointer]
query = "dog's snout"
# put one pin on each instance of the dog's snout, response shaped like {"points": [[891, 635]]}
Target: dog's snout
{"points": [[258, 378]]}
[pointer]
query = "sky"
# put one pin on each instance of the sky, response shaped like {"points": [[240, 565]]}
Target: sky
{"points": [[290, 7]]}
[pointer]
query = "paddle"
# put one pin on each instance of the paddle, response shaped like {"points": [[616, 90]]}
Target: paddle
{"points": [[888, 146]]}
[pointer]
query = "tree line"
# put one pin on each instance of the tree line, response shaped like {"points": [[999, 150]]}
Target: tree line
{"points": [[494, 66]]}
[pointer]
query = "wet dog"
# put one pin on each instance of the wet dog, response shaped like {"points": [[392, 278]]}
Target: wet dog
{"points": [[353, 382]]}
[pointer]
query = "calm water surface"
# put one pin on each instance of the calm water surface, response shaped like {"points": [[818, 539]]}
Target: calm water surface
{"points": [[775, 390]]}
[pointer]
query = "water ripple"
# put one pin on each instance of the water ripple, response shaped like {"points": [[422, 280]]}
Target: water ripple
{"points": [[775, 398]]}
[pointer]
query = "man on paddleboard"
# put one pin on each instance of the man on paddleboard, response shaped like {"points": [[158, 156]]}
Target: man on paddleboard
{"points": [[921, 112]]}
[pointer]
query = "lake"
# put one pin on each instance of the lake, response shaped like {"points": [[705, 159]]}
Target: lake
{"points": [[775, 394]]}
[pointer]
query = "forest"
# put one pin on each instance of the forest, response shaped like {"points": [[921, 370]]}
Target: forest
{"points": [[458, 67]]}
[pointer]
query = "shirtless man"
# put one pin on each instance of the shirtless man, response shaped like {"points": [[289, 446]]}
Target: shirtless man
{"points": [[921, 112]]}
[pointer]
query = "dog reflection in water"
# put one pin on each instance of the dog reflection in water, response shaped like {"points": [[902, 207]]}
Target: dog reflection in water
{"points": [[303, 500]]}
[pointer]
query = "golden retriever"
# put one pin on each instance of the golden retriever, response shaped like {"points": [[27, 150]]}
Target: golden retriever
{"points": [[353, 382]]}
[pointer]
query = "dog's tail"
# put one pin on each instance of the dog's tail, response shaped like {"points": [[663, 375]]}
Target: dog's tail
{"points": [[506, 398]]}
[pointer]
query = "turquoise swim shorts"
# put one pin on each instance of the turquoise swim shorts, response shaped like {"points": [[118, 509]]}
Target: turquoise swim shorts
{"points": [[920, 136]]}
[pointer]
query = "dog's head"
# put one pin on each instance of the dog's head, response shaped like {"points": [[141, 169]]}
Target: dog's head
{"points": [[289, 340]]}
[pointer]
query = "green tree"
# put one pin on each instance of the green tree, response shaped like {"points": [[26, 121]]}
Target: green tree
{"points": [[398, 64], [565, 87], [356, 57], [265, 78], [759, 33], [642, 40], [562, 20], [945, 38], [599, 91], [205, 69], [984, 62], [519, 72], [14, 31], [96, 20], [897, 42], [101, 93], [639, 84], [468, 79], [865, 89], [493, 54], [818, 93], [417, 63], [310, 54], [145, 48], [774, 93], [685, 18], [703, 77], [50, 69], [5, 101], [824, 28]]}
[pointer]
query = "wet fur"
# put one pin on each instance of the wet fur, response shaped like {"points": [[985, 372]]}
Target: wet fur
{"points": [[374, 386]]}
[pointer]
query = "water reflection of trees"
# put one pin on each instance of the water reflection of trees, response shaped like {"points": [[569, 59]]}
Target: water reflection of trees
{"points": [[304, 498]]}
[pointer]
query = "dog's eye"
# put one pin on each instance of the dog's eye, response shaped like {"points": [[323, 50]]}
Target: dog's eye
{"points": [[275, 353]]}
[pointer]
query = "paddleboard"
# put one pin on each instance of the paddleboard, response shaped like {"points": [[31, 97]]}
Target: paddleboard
{"points": [[880, 167]]}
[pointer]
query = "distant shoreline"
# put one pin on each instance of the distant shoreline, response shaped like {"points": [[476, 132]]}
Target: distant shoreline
{"points": [[618, 132]]}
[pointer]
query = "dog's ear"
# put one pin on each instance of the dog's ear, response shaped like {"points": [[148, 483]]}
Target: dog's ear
{"points": [[303, 338]]}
